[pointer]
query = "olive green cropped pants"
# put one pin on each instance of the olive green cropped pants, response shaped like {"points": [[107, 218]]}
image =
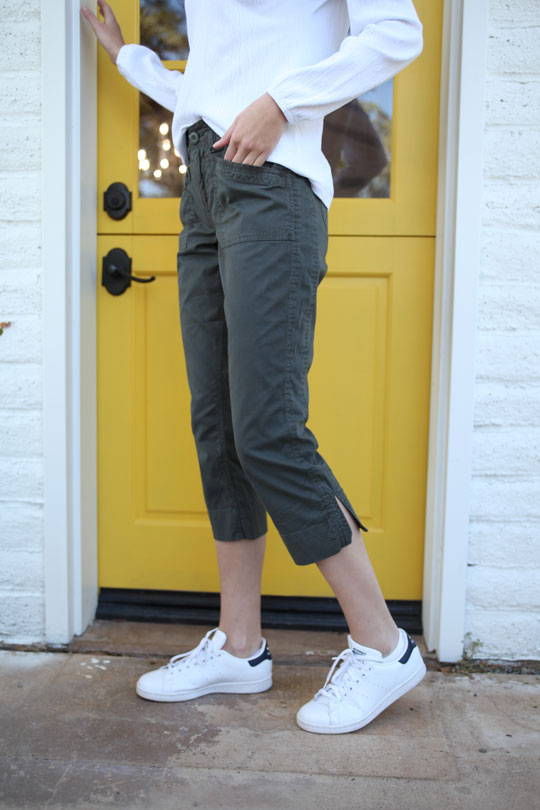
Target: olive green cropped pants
{"points": [[251, 255]]}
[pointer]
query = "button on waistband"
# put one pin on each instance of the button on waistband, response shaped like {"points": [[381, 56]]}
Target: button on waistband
{"points": [[193, 137]]}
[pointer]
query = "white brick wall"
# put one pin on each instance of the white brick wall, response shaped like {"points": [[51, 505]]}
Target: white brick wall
{"points": [[503, 577], [21, 468], [503, 582]]}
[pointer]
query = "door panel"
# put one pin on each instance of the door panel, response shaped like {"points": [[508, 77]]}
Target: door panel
{"points": [[370, 378], [369, 388], [404, 113]]}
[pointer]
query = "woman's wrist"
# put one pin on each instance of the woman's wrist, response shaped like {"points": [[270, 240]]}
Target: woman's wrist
{"points": [[115, 51]]}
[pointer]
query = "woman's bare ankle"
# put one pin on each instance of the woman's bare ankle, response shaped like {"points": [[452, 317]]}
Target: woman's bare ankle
{"points": [[244, 647]]}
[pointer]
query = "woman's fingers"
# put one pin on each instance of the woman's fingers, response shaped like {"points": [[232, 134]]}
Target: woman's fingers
{"points": [[90, 16], [108, 31], [107, 12]]}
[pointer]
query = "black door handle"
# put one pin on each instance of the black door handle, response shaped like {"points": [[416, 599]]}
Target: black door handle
{"points": [[116, 275]]}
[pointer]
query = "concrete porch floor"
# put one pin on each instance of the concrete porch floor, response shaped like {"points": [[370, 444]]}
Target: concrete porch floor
{"points": [[75, 734]]}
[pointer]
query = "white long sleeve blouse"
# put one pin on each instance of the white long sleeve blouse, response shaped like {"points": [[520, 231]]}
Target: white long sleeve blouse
{"points": [[311, 56]]}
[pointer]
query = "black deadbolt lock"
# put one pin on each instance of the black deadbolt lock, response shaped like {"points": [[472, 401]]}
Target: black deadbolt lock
{"points": [[117, 200], [116, 272]]}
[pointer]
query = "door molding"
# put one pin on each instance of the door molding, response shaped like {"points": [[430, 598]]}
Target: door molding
{"points": [[457, 258], [69, 189]]}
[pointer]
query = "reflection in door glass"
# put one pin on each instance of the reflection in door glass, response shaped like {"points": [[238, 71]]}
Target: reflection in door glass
{"points": [[356, 142], [356, 138], [163, 28], [161, 172]]}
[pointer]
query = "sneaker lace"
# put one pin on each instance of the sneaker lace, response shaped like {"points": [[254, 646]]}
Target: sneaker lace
{"points": [[337, 682], [199, 654]]}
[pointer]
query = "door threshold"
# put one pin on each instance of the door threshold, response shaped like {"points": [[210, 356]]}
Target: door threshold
{"points": [[280, 612]]}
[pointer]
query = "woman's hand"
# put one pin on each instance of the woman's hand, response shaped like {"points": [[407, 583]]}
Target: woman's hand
{"points": [[108, 32], [254, 132]]}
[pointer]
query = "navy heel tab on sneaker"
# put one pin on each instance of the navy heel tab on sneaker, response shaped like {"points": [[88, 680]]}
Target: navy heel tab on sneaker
{"points": [[265, 654], [407, 654]]}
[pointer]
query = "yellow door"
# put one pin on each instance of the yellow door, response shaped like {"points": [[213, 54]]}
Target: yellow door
{"points": [[370, 378]]}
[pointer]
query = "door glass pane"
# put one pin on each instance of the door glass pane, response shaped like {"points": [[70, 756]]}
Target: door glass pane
{"points": [[163, 28], [356, 138], [161, 172], [356, 142]]}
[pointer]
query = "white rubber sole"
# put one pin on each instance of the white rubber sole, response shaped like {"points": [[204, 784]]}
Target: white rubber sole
{"points": [[189, 694], [392, 696]]}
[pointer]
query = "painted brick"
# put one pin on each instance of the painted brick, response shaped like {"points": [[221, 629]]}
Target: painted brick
{"points": [[22, 385], [21, 139], [501, 542], [506, 404], [21, 570], [521, 587], [19, 278], [513, 12], [505, 497], [508, 356], [509, 307], [20, 245], [19, 44], [21, 342], [21, 433], [509, 256], [512, 154], [504, 634], [503, 578], [20, 94], [513, 50], [511, 204], [21, 617], [21, 479], [18, 10], [512, 102], [19, 298], [20, 198], [510, 451], [21, 526], [21, 529]]}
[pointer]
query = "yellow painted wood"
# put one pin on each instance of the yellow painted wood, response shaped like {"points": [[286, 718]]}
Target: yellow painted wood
{"points": [[409, 211], [118, 140], [369, 382], [369, 404]]}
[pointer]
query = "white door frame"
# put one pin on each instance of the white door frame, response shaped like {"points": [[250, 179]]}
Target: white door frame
{"points": [[459, 205], [69, 188], [69, 224]]}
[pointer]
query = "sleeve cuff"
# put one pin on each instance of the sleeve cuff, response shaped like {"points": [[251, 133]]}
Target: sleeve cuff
{"points": [[281, 101], [123, 55]]}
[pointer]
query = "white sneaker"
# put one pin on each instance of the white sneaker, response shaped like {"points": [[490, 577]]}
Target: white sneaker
{"points": [[364, 685], [207, 668]]}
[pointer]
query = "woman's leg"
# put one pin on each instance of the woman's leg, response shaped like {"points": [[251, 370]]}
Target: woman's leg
{"points": [[352, 578], [240, 568]]}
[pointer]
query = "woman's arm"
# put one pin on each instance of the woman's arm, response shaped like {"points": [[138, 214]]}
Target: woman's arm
{"points": [[143, 68], [385, 36], [138, 64]]}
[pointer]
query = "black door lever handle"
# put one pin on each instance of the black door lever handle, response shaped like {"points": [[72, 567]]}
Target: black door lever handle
{"points": [[116, 275]]}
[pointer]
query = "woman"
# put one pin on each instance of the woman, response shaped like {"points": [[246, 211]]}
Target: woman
{"points": [[251, 256]]}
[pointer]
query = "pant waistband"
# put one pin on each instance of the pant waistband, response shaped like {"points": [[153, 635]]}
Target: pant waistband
{"points": [[198, 126]]}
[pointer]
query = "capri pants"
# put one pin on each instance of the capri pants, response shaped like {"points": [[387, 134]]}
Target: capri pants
{"points": [[251, 255]]}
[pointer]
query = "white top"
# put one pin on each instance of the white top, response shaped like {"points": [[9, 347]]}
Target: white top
{"points": [[311, 56]]}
